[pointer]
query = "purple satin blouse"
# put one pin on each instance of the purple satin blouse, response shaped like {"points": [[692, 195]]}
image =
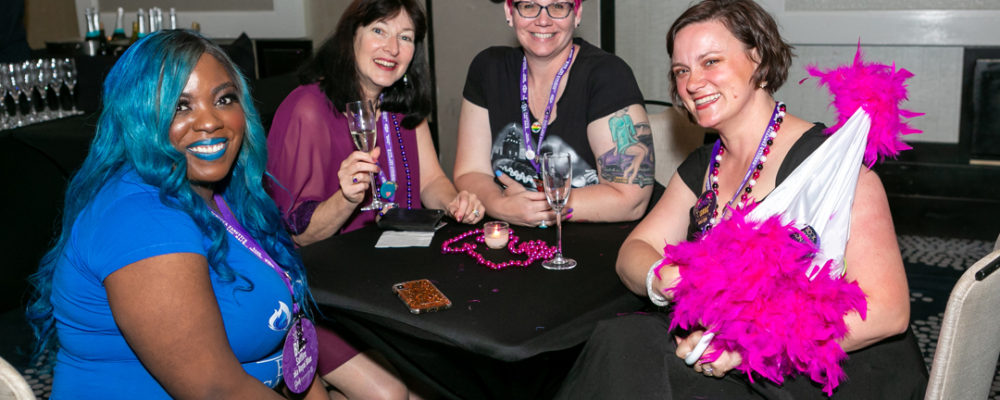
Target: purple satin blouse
{"points": [[307, 142]]}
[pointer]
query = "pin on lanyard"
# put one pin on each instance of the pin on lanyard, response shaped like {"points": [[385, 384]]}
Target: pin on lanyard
{"points": [[530, 153]]}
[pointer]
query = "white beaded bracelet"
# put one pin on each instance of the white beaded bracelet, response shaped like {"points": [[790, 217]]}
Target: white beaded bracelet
{"points": [[657, 298]]}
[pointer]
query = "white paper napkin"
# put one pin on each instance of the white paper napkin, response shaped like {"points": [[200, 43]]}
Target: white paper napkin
{"points": [[391, 239]]}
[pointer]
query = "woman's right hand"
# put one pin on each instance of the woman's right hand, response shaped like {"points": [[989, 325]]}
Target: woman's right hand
{"points": [[354, 174], [520, 206], [718, 368]]}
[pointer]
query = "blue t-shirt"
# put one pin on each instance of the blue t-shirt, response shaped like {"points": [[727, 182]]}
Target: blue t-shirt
{"points": [[126, 223]]}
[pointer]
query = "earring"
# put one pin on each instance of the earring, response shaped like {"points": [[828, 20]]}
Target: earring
{"points": [[406, 80], [508, 21], [763, 85]]}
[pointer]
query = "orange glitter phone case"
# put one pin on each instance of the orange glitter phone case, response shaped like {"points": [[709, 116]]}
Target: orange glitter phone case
{"points": [[421, 296]]}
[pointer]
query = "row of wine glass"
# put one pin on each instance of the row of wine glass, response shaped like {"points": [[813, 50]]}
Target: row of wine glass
{"points": [[36, 90]]}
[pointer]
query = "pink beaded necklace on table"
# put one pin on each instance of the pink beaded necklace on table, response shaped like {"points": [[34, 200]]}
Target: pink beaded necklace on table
{"points": [[535, 249]]}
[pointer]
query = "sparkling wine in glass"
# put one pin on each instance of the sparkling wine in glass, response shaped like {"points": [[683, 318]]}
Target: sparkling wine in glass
{"points": [[361, 121], [557, 177]]}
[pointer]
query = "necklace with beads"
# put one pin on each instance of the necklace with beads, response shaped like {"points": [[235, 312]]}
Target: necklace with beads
{"points": [[534, 249], [753, 172], [388, 187]]}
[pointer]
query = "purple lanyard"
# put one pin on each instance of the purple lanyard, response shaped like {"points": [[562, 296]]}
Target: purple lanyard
{"points": [[388, 149], [525, 119], [753, 164], [237, 231]]}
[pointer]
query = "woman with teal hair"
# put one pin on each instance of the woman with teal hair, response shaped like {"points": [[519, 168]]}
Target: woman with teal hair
{"points": [[172, 276]]}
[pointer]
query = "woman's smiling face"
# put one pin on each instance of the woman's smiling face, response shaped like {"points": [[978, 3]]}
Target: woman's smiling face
{"points": [[209, 123], [544, 36], [383, 51], [713, 72]]}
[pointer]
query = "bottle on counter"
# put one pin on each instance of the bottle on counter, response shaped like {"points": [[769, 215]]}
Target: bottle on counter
{"points": [[143, 27], [135, 32], [173, 18], [155, 19], [119, 32], [93, 42]]}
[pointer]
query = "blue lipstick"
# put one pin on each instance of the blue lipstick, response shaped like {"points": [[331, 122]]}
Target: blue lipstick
{"points": [[210, 149]]}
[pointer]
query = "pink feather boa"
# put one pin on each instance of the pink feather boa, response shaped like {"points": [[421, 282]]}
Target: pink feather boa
{"points": [[879, 89], [746, 281]]}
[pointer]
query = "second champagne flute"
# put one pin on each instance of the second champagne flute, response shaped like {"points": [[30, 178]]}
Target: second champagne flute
{"points": [[557, 179], [361, 121]]}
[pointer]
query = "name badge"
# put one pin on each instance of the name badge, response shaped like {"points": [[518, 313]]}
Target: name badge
{"points": [[703, 209], [300, 355]]}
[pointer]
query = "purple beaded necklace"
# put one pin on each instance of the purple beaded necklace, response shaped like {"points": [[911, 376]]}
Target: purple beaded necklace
{"points": [[526, 126], [387, 190]]}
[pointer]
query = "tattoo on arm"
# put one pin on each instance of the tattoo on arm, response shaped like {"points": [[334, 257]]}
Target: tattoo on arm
{"points": [[631, 160]]}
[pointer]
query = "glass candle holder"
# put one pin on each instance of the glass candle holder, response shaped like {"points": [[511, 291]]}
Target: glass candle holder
{"points": [[496, 234]]}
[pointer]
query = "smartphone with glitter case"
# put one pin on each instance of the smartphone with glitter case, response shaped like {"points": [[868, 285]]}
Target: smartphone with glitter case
{"points": [[421, 296]]}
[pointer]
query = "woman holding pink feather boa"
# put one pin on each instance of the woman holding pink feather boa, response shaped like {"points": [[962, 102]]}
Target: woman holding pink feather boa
{"points": [[784, 303]]}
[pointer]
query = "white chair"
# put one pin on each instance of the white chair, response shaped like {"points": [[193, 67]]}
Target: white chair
{"points": [[969, 343], [12, 384], [674, 138]]}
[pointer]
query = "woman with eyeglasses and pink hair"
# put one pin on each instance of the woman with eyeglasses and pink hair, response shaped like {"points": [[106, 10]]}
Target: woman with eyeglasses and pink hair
{"points": [[553, 94]]}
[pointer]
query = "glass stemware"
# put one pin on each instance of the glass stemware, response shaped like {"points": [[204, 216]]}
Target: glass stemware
{"points": [[69, 75], [364, 134], [7, 117], [55, 76], [26, 80], [13, 83], [557, 179], [42, 80]]}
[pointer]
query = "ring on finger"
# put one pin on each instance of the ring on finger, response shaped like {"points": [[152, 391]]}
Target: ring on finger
{"points": [[542, 224], [475, 211], [707, 369], [354, 179]]}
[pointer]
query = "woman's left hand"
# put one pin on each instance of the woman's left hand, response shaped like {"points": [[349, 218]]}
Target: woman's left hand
{"points": [[466, 208], [718, 368]]}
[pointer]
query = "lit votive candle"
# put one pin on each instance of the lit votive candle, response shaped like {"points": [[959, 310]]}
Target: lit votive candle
{"points": [[496, 234]]}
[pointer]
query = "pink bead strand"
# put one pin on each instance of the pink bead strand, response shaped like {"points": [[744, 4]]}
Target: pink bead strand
{"points": [[534, 249]]}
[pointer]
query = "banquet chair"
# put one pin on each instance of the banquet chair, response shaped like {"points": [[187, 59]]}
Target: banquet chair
{"points": [[674, 137], [12, 384], [969, 343]]}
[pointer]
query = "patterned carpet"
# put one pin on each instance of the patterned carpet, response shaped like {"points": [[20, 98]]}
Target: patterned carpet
{"points": [[933, 265]]}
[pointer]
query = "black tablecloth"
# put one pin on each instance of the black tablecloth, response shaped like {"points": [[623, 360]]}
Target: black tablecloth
{"points": [[516, 319], [36, 162]]}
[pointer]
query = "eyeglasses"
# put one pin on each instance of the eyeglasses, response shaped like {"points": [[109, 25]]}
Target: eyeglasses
{"points": [[530, 9]]}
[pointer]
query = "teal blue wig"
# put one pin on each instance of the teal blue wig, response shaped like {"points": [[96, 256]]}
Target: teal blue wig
{"points": [[139, 98]]}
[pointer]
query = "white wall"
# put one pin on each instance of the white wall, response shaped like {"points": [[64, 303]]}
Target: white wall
{"points": [[926, 42]]}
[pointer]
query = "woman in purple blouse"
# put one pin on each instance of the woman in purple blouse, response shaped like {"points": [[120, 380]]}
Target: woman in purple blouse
{"points": [[320, 181], [376, 54]]}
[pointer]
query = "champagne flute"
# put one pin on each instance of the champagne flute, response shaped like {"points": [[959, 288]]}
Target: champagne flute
{"points": [[361, 121], [26, 82], [69, 75], [55, 75], [557, 179]]}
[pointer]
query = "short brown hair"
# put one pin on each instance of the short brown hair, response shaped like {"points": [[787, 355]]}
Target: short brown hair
{"points": [[752, 26]]}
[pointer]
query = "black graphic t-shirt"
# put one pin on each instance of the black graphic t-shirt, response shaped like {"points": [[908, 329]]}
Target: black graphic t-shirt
{"points": [[598, 84]]}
